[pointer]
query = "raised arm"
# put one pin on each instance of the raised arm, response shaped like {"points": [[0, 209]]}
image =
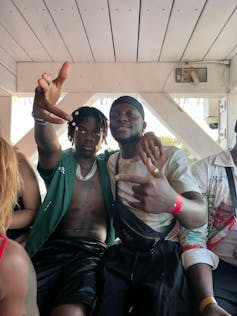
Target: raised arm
{"points": [[17, 283], [47, 94]]}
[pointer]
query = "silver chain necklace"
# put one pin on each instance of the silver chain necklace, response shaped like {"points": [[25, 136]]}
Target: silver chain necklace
{"points": [[89, 175]]}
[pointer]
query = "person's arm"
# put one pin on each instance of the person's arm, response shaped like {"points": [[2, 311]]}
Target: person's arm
{"points": [[199, 262], [30, 195], [197, 259], [200, 276], [47, 94], [155, 195], [17, 283]]}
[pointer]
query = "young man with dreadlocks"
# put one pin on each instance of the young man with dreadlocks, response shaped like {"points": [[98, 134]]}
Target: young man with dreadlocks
{"points": [[74, 223]]}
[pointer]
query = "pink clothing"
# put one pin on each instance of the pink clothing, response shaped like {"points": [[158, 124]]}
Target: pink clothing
{"points": [[3, 245]]}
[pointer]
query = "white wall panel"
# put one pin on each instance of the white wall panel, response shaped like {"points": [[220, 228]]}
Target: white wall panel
{"points": [[124, 77]]}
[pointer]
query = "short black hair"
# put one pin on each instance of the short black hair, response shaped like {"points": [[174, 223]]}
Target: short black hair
{"points": [[79, 116]]}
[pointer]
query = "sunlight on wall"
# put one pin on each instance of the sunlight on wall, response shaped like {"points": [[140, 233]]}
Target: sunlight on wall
{"points": [[197, 108], [21, 118]]}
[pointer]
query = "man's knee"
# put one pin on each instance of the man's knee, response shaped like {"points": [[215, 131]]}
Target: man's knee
{"points": [[69, 310]]}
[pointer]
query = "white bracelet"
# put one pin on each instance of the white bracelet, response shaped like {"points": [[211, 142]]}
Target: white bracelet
{"points": [[39, 120]]}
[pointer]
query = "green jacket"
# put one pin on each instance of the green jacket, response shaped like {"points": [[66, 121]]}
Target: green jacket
{"points": [[59, 184]]}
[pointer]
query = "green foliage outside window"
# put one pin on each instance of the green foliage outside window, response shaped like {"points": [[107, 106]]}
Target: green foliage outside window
{"points": [[169, 141]]}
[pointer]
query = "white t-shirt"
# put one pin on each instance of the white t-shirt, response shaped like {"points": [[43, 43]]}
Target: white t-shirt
{"points": [[173, 164]]}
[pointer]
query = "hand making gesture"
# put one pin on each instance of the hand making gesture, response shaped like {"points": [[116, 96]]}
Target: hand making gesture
{"points": [[152, 194], [47, 94]]}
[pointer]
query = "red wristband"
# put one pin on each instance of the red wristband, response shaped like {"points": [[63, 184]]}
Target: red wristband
{"points": [[178, 204]]}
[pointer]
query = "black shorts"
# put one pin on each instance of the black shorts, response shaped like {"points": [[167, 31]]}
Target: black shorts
{"points": [[66, 272], [225, 289], [150, 284]]}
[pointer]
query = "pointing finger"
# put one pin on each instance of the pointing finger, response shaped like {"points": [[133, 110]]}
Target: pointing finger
{"points": [[63, 74]]}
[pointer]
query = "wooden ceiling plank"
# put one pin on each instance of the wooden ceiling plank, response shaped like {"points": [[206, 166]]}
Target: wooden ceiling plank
{"points": [[212, 20], [232, 54], [4, 93], [153, 23], [225, 42], [37, 16], [125, 20], [20, 31], [11, 47], [68, 21], [95, 16], [183, 19], [7, 61], [7, 80]]}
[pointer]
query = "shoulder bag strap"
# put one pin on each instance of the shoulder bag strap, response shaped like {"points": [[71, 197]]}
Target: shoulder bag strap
{"points": [[232, 188]]}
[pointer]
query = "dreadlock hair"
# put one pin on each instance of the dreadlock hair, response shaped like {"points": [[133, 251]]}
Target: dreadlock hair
{"points": [[79, 116], [10, 184]]}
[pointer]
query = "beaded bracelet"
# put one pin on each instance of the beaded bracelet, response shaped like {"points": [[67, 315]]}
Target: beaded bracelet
{"points": [[178, 204], [205, 302]]}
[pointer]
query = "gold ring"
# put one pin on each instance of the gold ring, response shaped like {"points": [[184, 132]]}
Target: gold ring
{"points": [[156, 170]]}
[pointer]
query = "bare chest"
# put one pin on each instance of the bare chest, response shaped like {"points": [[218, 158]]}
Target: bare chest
{"points": [[86, 214]]}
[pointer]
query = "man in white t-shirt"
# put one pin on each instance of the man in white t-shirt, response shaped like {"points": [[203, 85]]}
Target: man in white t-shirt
{"points": [[143, 274], [211, 176]]}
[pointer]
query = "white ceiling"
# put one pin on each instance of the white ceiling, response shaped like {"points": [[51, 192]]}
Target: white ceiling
{"points": [[120, 46], [114, 31]]}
